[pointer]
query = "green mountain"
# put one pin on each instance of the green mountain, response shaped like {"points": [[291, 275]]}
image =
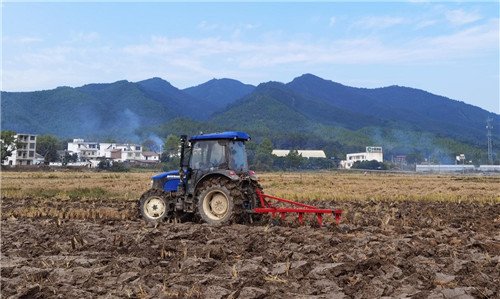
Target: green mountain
{"points": [[308, 112], [220, 92], [411, 108], [311, 112], [99, 110]]}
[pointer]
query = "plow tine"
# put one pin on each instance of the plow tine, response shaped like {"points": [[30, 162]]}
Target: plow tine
{"points": [[337, 214], [320, 219], [301, 220]]}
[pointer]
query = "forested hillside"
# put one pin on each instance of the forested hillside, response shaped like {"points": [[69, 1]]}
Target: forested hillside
{"points": [[308, 113]]}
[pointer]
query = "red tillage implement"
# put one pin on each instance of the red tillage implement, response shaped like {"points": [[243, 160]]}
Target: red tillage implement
{"points": [[269, 208]]}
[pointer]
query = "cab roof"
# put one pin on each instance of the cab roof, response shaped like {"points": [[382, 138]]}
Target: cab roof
{"points": [[234, 135]]}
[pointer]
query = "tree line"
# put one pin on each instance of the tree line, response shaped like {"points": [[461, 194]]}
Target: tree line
{"points": [[260, 149]]}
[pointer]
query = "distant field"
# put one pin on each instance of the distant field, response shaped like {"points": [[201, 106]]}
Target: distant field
{"points": [[295, 186]]}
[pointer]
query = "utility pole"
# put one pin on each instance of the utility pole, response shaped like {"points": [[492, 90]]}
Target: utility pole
{"points": [[489, 126]]}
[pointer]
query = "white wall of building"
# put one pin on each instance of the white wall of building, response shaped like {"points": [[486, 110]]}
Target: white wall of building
{"points": [[457, 168], [372, 153], [86, 151], [26, 153], [128, 151], [303, 153]]}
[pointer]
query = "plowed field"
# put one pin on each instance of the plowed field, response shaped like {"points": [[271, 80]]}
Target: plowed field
{"points": [[99, 248]]}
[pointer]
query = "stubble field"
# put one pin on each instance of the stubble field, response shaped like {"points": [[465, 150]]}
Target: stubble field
{"points": [[77, 234]]}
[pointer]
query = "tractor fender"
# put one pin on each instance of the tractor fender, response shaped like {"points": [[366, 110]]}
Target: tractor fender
{"points": [[221, 173]]}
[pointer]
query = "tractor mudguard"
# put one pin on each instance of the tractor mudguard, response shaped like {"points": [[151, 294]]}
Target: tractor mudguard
{"points": [[231, 175]]}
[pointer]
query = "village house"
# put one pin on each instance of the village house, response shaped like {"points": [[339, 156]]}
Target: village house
{"points": [[86, 151], [24, 154], [92, 151], [151, 156], [372, 153]]}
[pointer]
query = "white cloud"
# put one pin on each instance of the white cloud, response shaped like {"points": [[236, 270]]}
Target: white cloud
{"points": [[207, 27], [460, 17], [332, 21], [190, 58], [251, 26], [49, 57], [379, 22], [21, 40], [84, 37], [425, 23], [481, 37]]}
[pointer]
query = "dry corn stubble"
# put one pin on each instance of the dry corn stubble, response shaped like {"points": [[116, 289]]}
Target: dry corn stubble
{"points": [[295, 186]]}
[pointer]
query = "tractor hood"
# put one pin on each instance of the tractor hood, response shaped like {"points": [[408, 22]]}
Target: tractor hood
{"points": [[166, 174], [233, 135]]}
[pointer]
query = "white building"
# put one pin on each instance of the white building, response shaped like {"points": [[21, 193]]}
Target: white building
{"points": [[372, 153], [303, 153], [86, 151], [90, 151], [25, 154], [151, 156], [122, 152], [457, 168]]}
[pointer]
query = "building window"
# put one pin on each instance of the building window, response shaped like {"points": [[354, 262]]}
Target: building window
{"points": [[32, 154], [137, 148], [32, 137], [32, 145]]}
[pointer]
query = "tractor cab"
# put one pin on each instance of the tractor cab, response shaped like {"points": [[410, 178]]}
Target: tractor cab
{"points": [[218, 154], [221, 154], [213, 181]]}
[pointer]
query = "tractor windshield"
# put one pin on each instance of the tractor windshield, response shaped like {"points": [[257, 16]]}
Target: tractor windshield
{"points": [[238, 161], [219, 154], [208, 154]]}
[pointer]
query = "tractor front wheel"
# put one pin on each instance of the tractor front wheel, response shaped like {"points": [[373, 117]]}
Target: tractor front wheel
{"points": [[215, 204], [154, 205]]}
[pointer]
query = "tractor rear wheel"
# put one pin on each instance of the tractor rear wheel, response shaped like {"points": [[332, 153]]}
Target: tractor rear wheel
{"points": [[215, 203], [155, 205]]}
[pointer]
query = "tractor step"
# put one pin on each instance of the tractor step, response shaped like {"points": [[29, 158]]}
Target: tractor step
{"points": [[269, 208]]}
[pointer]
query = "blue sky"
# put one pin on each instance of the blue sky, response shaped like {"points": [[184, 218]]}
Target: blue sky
{"points": [[447, 48]]}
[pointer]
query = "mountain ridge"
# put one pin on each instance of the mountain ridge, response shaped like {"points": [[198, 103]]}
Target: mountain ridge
{"points": [[306, 106]]}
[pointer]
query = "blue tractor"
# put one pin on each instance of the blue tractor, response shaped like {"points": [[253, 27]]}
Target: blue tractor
{"points": [[213, 183]]}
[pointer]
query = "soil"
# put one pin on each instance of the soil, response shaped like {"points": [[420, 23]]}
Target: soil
{"points": [[101, 249]]}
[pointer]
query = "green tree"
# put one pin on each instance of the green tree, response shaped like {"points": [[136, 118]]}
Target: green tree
{"points": [[70, 157], [113, 166], [264, 160], [294, 159], [8, 143], [150, 145], [170, 155], [414, 158], [479, 158], [251, 149], [373, 164], [109, 140], [172, 145], [47, 146]]}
